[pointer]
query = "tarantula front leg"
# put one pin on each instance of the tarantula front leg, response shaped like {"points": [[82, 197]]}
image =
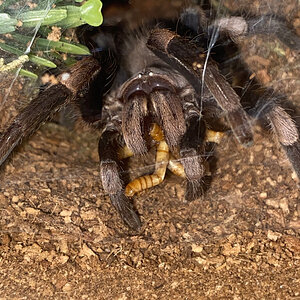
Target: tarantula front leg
{"points": [[186, 58], [47, 102], [177, 168], [284, 128], [238, 27], [192, 155], [109, 146]]}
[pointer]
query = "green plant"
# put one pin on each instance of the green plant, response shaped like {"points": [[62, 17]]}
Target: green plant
{"points": [[16, 27]]}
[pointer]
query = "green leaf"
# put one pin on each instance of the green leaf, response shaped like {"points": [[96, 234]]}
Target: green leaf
{"points": [[46, 45], [33, 58], [61, 47], [28, 74], [5, 19], [6, 29], [91, 12], [11, 49], [7, 24], [73, 18], [68, 61], [34, 17]]}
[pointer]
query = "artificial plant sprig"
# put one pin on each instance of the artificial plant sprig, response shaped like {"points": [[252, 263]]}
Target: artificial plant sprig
{"points": [[63, 16]]}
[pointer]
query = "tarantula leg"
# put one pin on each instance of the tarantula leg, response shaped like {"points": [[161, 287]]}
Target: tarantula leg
{"points": [[287, 133], [186, 58], [239, 27], [161, 163], [47, 102], [194, 18], [229, 101], [110, 175], [31, 117], [192, 156], [177, 168]]}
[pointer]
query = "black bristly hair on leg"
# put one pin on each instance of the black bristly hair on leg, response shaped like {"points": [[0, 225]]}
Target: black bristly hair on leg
{"points": [[271, 110], [47, 103], [109, 145], [268, 25]]}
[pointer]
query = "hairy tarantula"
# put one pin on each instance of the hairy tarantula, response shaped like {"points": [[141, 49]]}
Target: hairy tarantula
{"points": [[159, 84]]}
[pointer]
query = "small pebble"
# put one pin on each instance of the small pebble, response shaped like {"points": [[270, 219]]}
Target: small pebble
{"points": [[15, 199], [263, 195]]}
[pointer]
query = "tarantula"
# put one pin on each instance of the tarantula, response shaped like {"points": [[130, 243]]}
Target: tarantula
{"points": [[158, 83]]}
